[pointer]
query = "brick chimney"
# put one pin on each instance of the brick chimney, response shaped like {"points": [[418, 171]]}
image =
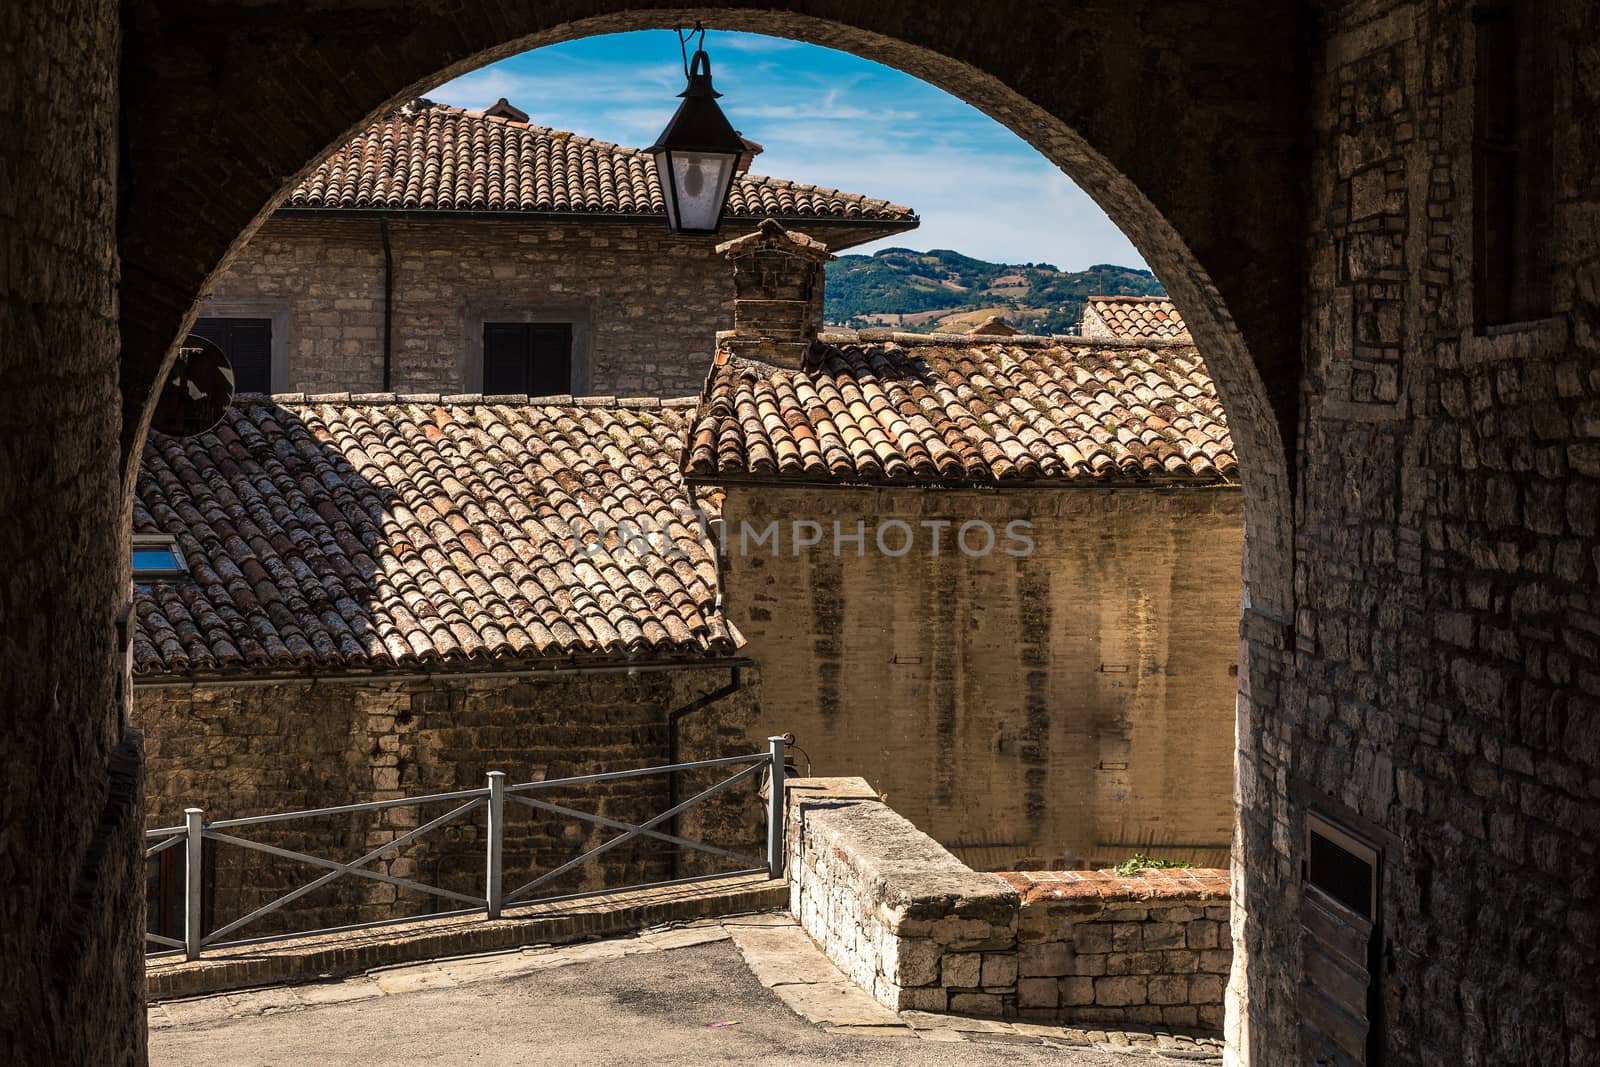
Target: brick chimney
{"points": [[777, 294]]}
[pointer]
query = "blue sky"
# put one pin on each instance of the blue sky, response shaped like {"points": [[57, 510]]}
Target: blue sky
{"points": [[830, 119]]}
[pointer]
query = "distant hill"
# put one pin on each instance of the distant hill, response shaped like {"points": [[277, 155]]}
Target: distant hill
{"points": [[946, 292]]}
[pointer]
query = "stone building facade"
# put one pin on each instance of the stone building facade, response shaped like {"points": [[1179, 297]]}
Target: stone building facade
{"points": [[387, 263], [996, 576], [293, 745], [391, 597]]}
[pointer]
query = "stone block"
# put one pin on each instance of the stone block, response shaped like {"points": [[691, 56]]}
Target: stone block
{"points": [[1075, 991], [999, 969], [1116, 992], [912, 961], [1046, 958], [1163, 935], [988, 1005], [1180, 1015], [1176, 915], [961, 970], [1127, 936], [1088, 965], [1216, 961], [925, 998], [1169, 989], [1036, 992], [1206, 989], [1202, 934], [1091, 937]]}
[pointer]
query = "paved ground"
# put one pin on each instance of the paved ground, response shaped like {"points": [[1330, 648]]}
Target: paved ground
{"points": [[684, 996]]}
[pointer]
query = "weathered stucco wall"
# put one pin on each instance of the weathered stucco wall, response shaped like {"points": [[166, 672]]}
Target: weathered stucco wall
{"points": [[1064, 709], [251, 750]]}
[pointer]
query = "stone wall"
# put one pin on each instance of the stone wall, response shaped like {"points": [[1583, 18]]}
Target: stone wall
{"points": [[71, 990], [1063, 710], [647, 304], [1095, 947], [250, 750], [1437, 687], [918, 929]]}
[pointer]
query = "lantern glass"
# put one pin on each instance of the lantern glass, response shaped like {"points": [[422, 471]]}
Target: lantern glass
{"points": [[696, 187]]}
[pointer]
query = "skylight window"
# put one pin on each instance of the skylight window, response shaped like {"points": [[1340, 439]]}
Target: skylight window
{"points": [[156, 556]]}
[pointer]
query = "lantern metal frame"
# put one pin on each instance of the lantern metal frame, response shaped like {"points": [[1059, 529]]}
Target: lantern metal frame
{"points": [[698, 127]]}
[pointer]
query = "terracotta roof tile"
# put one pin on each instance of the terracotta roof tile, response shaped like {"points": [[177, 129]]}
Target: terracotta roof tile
{"points": [[935, 412], [430, 157], [1134, 318], [412, 533]]}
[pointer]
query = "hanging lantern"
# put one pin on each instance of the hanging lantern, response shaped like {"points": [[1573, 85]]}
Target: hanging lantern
{"points": [[697, 154]]}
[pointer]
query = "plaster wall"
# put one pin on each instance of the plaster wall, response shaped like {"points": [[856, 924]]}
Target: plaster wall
{"points": [[1063, 709]]}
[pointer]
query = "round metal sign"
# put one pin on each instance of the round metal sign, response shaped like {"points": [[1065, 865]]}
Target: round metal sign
{"points": [[198, 391]]}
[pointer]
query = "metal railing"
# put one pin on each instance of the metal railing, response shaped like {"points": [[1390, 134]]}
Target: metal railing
{"points": [[195, 832]]}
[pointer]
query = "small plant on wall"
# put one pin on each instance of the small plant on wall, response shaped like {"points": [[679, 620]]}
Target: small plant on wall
{"points": [[1140, 861]]}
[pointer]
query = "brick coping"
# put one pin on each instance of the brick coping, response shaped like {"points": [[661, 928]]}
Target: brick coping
{"points": [[332, 955], [1155, 884]]}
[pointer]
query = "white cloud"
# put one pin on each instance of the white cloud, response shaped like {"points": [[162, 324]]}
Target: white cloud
{"points": [[830, 120]]}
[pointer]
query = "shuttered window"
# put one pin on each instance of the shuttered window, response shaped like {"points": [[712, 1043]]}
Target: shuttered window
{"points": [[1340, 1011], [527, 358], [248, 345]]}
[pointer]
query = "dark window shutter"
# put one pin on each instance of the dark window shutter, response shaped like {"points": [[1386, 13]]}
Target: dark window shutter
{"points": [[550, 371], [505, 358], [248, 345], [527, 358]]}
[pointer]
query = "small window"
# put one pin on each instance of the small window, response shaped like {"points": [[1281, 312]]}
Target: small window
{"points": [[527, 358], [157, 556], [1343, 867], [248, 345], [1513, 162]]}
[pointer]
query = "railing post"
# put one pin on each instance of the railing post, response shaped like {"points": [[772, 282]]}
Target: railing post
{"points": [[775, 746], [193, 880], [493, 886]]}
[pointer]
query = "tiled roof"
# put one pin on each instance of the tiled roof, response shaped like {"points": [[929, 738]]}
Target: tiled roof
{"points": [[1134, 318], [415, 533], [935, 411], [430, 157]]}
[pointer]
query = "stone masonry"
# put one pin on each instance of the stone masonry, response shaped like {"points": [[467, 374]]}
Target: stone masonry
{"points": [[244, 750], [646, 305], [916, 928]]}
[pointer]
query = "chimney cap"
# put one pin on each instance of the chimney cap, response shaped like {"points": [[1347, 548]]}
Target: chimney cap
{"points": [[505, 109], [994, 326], [771, 234]]}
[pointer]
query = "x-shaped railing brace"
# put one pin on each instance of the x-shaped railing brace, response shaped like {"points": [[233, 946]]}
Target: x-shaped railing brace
{"points": [[337, 870], [645, 829]]}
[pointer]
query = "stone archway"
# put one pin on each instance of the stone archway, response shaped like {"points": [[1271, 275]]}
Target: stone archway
{"points": [[1182, 121]]}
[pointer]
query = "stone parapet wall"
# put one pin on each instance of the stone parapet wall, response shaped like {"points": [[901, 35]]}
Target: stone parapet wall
{"points": [[911, 924], [1098, 948]]}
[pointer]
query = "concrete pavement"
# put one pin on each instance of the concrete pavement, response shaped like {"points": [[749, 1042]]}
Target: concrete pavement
{"points": [[678, 996]]}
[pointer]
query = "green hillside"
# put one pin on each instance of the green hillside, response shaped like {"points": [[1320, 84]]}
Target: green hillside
{"points": [[945, 291]]}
